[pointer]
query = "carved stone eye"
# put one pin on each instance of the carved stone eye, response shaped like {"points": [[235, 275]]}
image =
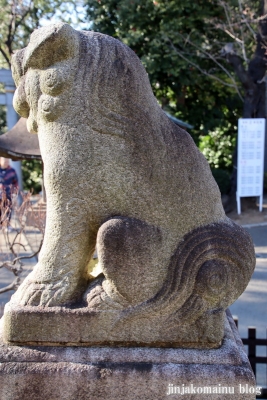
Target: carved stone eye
{"points": [[54, 80]]}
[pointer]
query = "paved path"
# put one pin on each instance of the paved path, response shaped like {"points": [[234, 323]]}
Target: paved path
{"points": [[251, 307]]}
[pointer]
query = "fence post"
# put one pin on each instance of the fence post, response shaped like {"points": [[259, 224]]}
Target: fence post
{"points": [[252, 348], [235, 318]]}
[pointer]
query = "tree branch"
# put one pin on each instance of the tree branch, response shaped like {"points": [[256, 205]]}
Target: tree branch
{"points": [[239, 69], [232, 85], [19, 22], [227, 13], [31, 256], [242, 35], [20, 244], [10, 34], [239, 41], [13, 241], [208, 55], [9, 265], [12, 286], [5, 56]]}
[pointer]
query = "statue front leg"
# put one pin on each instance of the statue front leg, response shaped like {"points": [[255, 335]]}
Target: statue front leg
{"points": [[60, 277]]}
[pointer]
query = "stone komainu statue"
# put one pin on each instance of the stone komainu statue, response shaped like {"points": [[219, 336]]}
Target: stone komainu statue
{"points": [[120, 174]]}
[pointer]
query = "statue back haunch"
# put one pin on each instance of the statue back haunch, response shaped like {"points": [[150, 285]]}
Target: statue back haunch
{"points": [[119, 172]]}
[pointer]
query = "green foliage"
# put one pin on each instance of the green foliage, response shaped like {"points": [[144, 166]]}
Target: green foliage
{"points": [[223, 180], [3, 126], [218, 147], [203, 59], [32, 175], [161, 33], [18, 18]]}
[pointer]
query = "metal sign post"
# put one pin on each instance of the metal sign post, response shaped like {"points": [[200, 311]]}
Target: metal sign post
{"points": [[250, 162]]}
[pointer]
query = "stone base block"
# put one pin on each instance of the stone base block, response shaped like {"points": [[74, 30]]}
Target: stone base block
{"points": [[93, 373], [83, 326]]}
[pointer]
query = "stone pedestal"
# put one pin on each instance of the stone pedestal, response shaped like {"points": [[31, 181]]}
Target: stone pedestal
{"points": [[81, 373], [88, 327]]}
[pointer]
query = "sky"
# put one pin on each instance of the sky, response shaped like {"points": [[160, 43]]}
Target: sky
{"points": [[75, 15]]}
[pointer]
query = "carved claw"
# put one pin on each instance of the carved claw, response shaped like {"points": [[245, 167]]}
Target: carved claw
{"points": [[33, 293]]}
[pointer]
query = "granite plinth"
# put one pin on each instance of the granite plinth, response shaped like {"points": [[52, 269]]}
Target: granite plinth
{"points": [[43, 372], [58, 326]]}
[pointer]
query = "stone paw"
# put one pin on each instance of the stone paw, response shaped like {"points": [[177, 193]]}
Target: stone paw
{"points": [[97, 298], [53, 294]]}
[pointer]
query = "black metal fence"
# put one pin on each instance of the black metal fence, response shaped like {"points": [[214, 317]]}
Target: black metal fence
{"points": [[252, 342]]}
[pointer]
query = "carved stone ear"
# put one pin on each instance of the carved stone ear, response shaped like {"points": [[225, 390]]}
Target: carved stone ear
{"points": [[49, 45]]}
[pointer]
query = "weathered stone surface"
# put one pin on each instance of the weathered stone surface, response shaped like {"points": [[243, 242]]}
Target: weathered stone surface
{"points": [[68, 373], [207, 269], [118, 172], [87, 327]]}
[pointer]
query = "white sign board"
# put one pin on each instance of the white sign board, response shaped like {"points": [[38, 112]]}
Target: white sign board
{"points": [[250, 163]]}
